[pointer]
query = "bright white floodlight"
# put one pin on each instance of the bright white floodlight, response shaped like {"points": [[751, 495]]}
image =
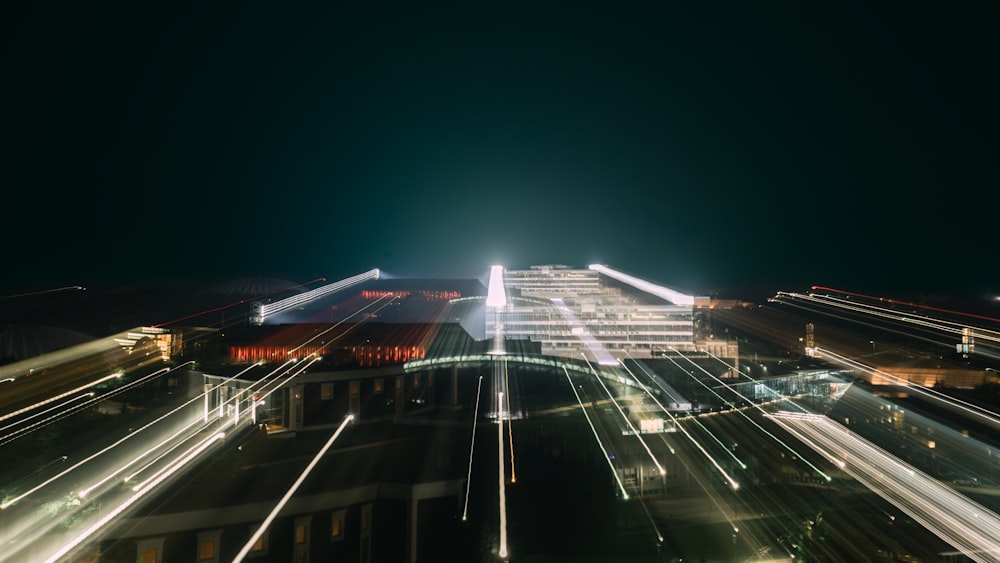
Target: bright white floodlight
{"points": [[496, 296], [675, 297]]}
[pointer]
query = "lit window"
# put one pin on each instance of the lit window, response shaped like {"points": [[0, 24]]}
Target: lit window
{"points": [[326, 391], [258, 545], [206, 549], [355, 387], [300, 534], [148, 556], [366, 516], [378, 385], [337, 527]]}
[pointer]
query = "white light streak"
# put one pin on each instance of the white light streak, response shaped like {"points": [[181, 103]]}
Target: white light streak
{"points": [[601, 354], [472, 449], [503, 491], [342, 321], [169, 467], [957, 520], [510, 417], [129, 502], [291, 491], [271, 309], [733, 484], [41, 423], [743, 414], [675, 297], [59, 396], [607, 456], [48, 410], [969, 408], [625, 417]]}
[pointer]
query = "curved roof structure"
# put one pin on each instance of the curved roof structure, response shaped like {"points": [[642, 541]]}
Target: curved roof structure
{"points": [[22, 342]]}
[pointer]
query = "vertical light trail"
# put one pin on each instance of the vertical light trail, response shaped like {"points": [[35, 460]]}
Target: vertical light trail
{"points": [[503, 492], [129, 502], [291, 491], [496, 296], [625, 417], [472, 449], [607, 457], [510, 429]]}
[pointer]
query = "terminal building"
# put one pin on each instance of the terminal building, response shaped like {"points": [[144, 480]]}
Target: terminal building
{"points": [[599, 312]]}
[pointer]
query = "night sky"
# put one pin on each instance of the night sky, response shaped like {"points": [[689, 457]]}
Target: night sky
{"points": [[707, 146]]}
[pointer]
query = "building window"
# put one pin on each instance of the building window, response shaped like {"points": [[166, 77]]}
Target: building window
{"points": [[366, 516], [416, 380], [300, 549], [208, 546], [337, 525], [378, 385], [326, 391], [355, 387], [206, 550], [149, 550], [300, 533], [259, 547]]}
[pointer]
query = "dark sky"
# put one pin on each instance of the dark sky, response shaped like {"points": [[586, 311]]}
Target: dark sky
{"points": [[702, 145]]}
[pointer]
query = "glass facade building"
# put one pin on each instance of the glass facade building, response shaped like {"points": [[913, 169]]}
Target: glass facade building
{"points": [[568, 311]]}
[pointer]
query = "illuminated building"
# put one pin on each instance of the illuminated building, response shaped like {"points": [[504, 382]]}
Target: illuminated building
{"points": [[568, 310]]}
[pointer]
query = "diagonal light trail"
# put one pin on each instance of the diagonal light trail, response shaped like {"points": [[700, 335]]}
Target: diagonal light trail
{"points": [[989, 416], [968, 526], [116, 511], [291, 491], [730, 481], [600, 444], [743, 414], [628, 422]]}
